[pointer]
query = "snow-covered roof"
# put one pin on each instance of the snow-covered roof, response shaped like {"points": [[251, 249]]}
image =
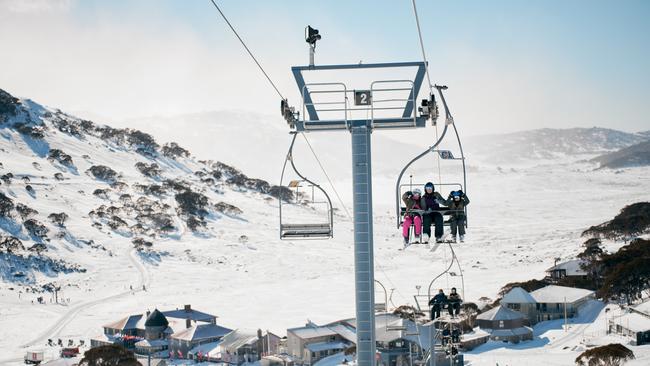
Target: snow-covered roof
{"points": [[201, 331], [500, 313], [335, 359], [517, 295], [236, 339], [210, 349], [560, 294], [633, 321], [325, 346], [572, 267], [347, 332], [189, 314], [476, 333], [510, 332], [130, 322], [312, 331]]}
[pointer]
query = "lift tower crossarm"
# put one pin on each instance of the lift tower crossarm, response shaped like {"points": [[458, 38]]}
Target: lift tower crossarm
{"points": [[407, 118]]}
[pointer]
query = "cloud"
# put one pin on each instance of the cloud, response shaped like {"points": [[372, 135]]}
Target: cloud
{"points": [[35, 6]]}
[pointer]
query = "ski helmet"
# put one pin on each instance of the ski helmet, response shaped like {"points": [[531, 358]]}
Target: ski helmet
{"points": [[429, 185], [417, 191]]}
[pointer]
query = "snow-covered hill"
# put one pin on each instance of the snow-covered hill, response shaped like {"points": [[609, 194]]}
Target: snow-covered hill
{"points": [[222, 253], [69, 185], [631, 156], [571, 144]]}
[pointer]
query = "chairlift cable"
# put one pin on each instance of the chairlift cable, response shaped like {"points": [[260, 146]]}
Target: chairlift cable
{"points": [[247, 49], [327, 176], [424, 56], [426, 67]]}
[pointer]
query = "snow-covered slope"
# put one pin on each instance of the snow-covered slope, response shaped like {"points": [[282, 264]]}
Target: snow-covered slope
{"points": [[235, 266], [571, 143], [70, 187], [635, 155]]}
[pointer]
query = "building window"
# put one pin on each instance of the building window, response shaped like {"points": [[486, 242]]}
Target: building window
{"points": [[501, 324]]}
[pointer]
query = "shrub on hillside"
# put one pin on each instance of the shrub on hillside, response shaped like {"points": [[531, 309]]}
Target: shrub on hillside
{"points": [[31, 130], [6, 205], [626, 273], [102, 172], [8, 104], [148, 170], [58, 219], [633, 220], [25, 211], [36, 228], [228, 209], [612, 354], [11, 244], [61, 157], [173, 150]]}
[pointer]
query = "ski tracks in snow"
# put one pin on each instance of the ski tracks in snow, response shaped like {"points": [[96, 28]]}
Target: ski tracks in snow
{"points": [[69, 316]]}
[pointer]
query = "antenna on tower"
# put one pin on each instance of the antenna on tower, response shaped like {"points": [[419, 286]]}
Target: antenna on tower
{"points": [[311, 36]]}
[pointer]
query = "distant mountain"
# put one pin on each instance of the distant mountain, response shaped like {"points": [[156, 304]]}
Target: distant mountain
{"points": [[635, 155], [549, 144]]}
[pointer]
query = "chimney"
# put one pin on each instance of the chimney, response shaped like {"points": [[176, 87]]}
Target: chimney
{"points": [[188, 323], [188, 308]]}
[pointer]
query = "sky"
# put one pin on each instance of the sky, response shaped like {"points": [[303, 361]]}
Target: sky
{"points": [[509, 65]]}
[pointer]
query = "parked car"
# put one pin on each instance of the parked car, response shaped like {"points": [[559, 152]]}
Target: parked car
{"points": [[69, 352]]}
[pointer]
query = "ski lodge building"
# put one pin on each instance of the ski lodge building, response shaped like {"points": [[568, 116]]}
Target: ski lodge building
{"points": [[503, 324], [569, 269], [635, 324], [547, 303], [184, 333]]}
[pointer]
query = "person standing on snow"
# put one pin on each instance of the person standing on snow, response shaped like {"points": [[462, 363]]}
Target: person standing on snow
{"points": [[431, 202], [413, 201], [456, 203]]}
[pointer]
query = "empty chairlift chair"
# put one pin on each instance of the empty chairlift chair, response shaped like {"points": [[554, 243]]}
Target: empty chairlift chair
{"points": [[319, 224]]}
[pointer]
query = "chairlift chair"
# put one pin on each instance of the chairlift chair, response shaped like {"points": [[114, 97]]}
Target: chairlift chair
{"points": [[322, 229], [442, 154]]}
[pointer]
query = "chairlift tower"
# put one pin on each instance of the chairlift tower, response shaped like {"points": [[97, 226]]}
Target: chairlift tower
{"points": [[383, 104]]}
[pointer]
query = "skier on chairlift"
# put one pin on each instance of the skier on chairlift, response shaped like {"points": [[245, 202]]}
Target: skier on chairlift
{"points": [[431, 202], [413, 202], [454, 301], [456, 203], [437, 303]]}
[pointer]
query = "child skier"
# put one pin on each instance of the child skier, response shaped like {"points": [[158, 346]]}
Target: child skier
{"points": [[456, 203], [412, 200]]}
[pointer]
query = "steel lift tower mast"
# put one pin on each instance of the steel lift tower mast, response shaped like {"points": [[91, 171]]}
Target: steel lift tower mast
{"points": [[387, 104]]}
